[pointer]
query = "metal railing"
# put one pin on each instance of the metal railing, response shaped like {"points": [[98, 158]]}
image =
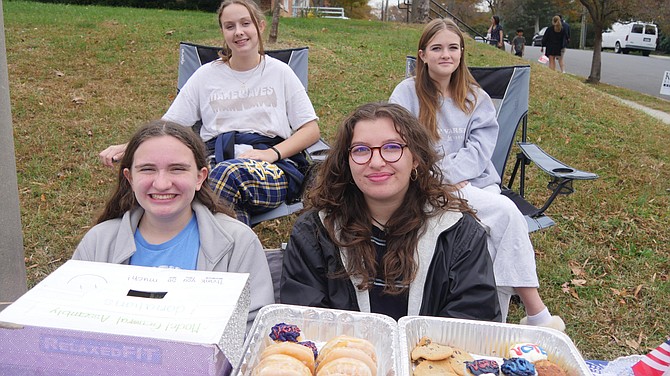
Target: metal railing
{"points": [[436, 10], [325, 12]]}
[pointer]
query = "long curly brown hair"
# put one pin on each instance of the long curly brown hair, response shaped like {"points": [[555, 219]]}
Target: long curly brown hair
{"points": [[123, 199], [348, 220]]}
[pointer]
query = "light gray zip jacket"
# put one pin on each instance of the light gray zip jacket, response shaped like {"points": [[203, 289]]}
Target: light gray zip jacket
{"points": [[226, 245]]}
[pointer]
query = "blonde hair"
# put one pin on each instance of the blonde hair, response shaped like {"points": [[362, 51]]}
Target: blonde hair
{"points": [[461, 86], [256, 17], [558, 25]]}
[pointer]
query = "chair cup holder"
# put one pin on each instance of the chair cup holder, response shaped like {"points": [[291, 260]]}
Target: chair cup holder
{"points": [[563, 170], [564, 186]]}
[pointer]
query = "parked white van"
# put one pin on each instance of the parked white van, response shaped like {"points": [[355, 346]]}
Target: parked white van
{"points": [[631, 36]]}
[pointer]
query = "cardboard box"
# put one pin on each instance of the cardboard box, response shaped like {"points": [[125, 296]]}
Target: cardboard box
{"points": [[90, 318]]}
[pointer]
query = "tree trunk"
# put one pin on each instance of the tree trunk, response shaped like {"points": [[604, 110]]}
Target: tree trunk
{"points": [[13, 266], [420, 9], [596, 62], [276, 9]]}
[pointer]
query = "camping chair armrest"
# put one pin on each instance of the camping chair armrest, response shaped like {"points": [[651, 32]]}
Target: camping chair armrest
{"points": [[551, 165], [318, 150], [561, 174]]}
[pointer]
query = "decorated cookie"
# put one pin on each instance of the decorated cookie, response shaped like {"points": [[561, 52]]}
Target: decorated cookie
{"points": [[458, 359], [311, 346], [529, 351], [427, 349], [283, 332], [547, 368], [482, 367], [434, 367], [517, 367]]}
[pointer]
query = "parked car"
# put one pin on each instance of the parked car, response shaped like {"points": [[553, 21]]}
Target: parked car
{"points": [[537, 38], [631, 36]]}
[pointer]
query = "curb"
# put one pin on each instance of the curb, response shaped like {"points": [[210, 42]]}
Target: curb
{"points": [[660, 115]]}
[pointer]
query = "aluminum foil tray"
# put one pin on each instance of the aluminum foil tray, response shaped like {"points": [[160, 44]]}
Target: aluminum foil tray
{"points": [[488, 339], [320, 325]]}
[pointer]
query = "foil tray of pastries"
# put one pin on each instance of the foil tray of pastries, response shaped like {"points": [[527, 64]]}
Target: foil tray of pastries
{"points": [[449, 347], [296, 340]]}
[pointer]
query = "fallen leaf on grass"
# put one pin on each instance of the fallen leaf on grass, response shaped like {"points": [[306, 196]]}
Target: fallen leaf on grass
{"points": [[565, 288], [579, 282], [621, 293], [568, 290], [637, 291], [633, 344], [78, 100], [169, 32], [577, 270]]}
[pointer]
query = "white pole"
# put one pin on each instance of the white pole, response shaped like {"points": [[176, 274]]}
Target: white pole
{"points": [[582, 34], [12, 263]]}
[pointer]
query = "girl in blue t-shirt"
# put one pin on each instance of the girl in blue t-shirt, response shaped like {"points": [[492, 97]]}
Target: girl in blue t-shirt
{"points": [[163, 214]]}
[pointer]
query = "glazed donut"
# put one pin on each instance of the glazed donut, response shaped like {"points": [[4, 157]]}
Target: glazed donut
{"points": [[345, 366], [281, 365], [303, 353], [348, 352], [348, 341]]}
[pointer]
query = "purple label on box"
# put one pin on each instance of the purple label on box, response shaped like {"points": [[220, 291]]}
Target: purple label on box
{"points": [[100, 349]]}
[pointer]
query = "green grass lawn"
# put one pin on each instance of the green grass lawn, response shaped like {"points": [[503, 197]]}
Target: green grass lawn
{"points": [[84, 77]]}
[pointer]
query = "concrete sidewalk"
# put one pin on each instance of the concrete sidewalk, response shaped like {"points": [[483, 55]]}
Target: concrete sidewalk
{"points": [[660, 115]]}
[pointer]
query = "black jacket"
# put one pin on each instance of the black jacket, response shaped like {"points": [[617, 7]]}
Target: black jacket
{"points": [[456, 279]]}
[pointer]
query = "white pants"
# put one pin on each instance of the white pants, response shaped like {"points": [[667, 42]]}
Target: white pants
{"points": [[508, 241]]}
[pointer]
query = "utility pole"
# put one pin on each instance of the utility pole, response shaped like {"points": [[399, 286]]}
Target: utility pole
{"points": [[582, 32], [12, 263]]}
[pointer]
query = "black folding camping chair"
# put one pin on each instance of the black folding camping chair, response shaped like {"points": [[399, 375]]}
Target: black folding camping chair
{"points": [[509, 88], [192, 56]]}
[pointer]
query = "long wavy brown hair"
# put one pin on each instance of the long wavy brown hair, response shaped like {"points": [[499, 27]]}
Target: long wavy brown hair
{"points": [[123, 199], [256, 17], [461, 86], [348, 220]]}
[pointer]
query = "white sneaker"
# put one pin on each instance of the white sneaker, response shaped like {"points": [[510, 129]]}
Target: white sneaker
{"points": [[556, 322]]}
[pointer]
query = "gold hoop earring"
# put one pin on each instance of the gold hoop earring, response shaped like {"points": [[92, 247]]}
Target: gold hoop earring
{"points": [[414, 174]]}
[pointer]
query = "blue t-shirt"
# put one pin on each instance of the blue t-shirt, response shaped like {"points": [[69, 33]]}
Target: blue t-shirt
{"points": [[180, 252]]}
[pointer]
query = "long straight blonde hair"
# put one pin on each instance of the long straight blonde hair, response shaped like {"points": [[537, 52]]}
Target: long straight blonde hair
{"points": [[461, 86]]}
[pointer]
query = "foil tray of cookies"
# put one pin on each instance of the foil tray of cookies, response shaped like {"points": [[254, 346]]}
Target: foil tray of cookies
{"points": [[475, 346], [329, 333]]}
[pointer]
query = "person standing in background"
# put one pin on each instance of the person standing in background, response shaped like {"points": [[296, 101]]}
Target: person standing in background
{"points": [[553, 40], [566, 42], [495, 33], [518, 43]]}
